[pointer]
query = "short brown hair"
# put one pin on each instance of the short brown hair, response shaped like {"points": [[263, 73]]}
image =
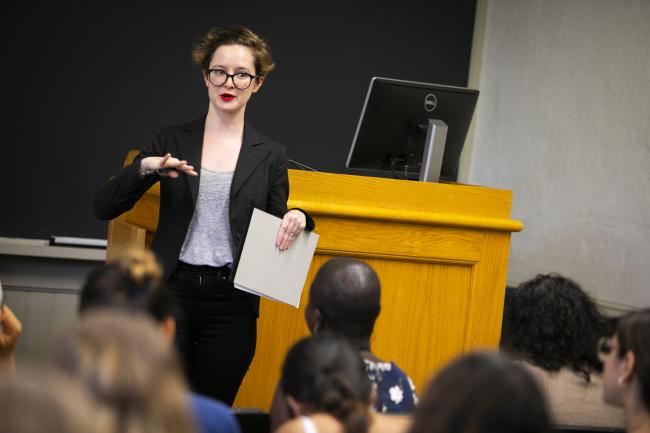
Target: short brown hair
{"points": [[216, 37]]}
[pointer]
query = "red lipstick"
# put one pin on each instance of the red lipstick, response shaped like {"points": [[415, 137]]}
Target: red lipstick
{"points": [[227, 97]]}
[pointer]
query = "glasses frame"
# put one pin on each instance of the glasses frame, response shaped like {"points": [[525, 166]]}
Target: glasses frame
{"points": [[232, 78]]}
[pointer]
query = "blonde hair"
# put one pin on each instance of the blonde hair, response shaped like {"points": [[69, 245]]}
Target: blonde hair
{"points": [[126, 364], [140, 265]]}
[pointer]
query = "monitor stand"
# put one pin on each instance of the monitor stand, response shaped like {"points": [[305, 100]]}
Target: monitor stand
{"points": [[434, 149]]}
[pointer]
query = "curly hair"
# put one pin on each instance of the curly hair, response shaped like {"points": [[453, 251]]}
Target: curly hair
{"points": [[633, 332], [325, 372], [552, 323], [216, 37]]}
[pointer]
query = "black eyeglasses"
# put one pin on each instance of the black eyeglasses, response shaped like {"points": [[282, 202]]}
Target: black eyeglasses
{"points": [[241, 80]]}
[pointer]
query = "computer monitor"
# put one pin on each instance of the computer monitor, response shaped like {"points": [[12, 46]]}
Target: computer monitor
{"points": [[412, 130]]}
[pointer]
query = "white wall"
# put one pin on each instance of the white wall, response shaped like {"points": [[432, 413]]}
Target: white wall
{"points": [[563, 120]]}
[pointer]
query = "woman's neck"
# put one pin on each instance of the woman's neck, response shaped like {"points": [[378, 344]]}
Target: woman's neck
{"points": [[224, 122], [638, 418]]}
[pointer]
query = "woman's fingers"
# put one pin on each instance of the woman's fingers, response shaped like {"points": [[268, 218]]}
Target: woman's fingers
{"points": [[292, 225], [170, 166]]}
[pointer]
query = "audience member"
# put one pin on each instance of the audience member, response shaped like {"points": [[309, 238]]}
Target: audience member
{"points": [[129, 368], [44, 402], [627, 369], [345, 299], [482, 393], [10, 329], [133, 283], [326, 387], [552, 326]]}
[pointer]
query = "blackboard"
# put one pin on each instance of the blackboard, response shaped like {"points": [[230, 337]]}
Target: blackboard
{"points": [[84, 82]]}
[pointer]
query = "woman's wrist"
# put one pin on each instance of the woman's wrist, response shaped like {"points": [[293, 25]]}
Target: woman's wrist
{"points": [[145, 169]]}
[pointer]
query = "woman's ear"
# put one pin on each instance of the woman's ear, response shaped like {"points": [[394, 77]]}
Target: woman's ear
{"points": [[258, 83], [629, 364], [206, 80], [318, 321]]}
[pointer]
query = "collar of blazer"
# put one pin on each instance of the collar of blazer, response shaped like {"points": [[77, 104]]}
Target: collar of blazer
{"points": [[252, 153]]}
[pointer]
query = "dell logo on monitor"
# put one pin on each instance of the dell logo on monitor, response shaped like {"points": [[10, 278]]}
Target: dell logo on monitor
{"points": [[430, 102]]}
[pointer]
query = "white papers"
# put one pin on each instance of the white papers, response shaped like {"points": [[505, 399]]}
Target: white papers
{"points": [[266, 271]]}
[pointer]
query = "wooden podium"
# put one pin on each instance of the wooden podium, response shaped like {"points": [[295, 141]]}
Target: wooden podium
{"points": [[440, 250]]}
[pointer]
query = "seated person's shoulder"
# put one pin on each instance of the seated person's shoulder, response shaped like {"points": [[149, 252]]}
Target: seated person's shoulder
{"points": [[395, 389], [382, 423], [324, 423], [212, 416]]}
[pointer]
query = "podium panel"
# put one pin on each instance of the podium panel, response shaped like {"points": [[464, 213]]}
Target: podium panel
{"points": [[440, 251]]}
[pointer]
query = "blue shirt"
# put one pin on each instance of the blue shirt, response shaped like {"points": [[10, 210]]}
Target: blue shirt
{"points": [[212, 416], [394, 389]]}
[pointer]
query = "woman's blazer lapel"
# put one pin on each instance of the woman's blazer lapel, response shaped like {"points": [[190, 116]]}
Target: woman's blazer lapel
{"points": [[252, 153]]}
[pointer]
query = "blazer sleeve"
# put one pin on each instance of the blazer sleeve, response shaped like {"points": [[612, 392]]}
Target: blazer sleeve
{"points": [[279, 191], [124, 189]]}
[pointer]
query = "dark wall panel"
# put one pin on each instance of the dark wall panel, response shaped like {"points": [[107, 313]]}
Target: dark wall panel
{"points": [[85, 82]]}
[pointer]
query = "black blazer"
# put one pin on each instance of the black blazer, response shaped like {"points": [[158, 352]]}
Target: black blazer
{"points": [[260, 180]]}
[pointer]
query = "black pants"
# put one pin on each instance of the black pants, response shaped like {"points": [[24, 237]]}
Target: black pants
{"points": [[216, 330]]}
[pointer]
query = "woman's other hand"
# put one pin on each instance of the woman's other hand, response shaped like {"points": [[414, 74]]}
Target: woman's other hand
{"points": [[292, 225], [166, 166]]}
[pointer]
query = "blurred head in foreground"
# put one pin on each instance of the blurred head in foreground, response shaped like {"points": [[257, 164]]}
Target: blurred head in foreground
{"points": [[482, 393], [324, 374], [127, 366], [46, 402], [133, 282]]}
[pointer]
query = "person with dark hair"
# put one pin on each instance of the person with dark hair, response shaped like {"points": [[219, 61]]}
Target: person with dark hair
{"points": [[345, 299], [627, 369], [133, 284], [211, 172], [482, 393], [328, 391], [552, 326]]}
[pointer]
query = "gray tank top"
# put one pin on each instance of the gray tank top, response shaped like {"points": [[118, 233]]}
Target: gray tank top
{"points": [[209, 240]]}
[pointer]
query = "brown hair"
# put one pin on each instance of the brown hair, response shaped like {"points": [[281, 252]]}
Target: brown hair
{"points": [[633, 332], [482, 393], [216, 37], [124, 362]]}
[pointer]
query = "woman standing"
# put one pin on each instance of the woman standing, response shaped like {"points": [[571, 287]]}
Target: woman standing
{"points": [[203, 211]]}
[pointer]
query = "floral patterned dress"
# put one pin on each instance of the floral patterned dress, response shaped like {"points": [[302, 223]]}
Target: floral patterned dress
{"points": [[394, 389]]}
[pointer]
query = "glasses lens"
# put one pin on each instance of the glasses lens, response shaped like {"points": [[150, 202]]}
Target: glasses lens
{"points": [[242, 81], [217, 77]]}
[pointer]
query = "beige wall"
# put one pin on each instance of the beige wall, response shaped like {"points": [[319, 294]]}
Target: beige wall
{"points": [[563, 120]]}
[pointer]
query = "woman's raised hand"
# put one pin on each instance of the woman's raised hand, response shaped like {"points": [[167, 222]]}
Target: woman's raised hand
{"points": [[166, 166]]}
